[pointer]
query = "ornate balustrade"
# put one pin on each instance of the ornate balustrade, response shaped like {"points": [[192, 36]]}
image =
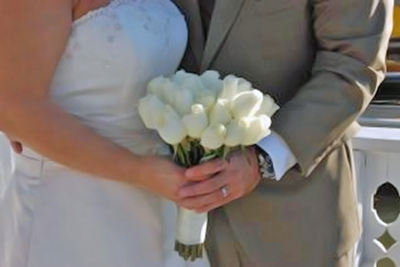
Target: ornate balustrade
{"points": [[377, 158]]}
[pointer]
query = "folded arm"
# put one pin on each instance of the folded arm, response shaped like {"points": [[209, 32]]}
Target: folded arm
{"points": [[352, 38]]}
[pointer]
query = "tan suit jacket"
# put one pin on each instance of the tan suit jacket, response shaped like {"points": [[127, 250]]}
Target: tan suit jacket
{"points": [[322, 60]]}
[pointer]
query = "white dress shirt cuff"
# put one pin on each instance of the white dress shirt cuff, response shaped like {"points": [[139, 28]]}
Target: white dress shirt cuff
{"points": [[281, 156]]}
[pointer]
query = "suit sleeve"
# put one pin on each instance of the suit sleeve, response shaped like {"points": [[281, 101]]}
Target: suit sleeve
{"points": [[351, 38]]}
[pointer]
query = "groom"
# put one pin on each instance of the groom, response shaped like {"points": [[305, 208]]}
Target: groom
{"points": [[322, 60]]}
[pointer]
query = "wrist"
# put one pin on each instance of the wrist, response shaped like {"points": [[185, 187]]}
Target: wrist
{"points": [[137, 171], [265, 164]]}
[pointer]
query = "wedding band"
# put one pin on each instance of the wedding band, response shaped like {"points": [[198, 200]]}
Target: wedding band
{"points": [[224, 191]]}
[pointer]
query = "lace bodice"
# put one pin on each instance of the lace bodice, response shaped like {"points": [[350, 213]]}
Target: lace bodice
{"points": [[111, 54]]}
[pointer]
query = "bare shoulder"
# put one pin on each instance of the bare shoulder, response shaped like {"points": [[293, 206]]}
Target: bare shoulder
{"points": [[33, 35]]}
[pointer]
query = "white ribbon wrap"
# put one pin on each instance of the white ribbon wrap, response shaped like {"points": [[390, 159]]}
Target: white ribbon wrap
{"points": [[191, 227]]}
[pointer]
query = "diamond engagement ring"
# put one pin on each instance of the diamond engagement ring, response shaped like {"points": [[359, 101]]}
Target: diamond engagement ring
{"points": [[224, 191]]}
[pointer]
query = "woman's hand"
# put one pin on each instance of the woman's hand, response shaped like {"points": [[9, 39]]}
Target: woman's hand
{"points": [[161, 176], [165, 178], [240, 176]]}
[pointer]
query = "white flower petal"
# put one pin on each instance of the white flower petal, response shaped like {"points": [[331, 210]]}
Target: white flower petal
{"points": [[206, 98], [196, 121], [220, 113], [183, 101], [244, 85], [156, 87], [193, 83], [234, 134], [171, 90], [246, 104], [172, 130], [211, 81], [255, 129], [151, 110], [213, 137], [268, 106], [180, 76], [230, 87]]}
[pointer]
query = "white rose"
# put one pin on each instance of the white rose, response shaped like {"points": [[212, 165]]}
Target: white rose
{"points": [[196, 121], [268, 106], [213, 137], [255, 129], [220, 113], [171, 129], [234, 134], [151, 110], [246, 104], [156, 87]]}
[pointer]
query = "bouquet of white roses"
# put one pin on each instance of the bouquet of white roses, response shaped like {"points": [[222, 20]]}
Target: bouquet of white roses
{"points": [[202, 118]]}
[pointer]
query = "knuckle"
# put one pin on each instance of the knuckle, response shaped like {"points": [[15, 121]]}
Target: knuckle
{"points": [[200, 189], [207, 186], [215, 183], [191, 191]]}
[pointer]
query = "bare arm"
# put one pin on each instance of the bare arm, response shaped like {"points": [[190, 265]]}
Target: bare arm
{"points": [[33, 35]]}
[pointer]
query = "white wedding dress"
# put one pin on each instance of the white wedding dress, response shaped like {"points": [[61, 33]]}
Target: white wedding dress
{"points": [[54, 216]]}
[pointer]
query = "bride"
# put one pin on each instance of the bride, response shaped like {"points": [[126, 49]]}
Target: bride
{"points": [[88, 188]]}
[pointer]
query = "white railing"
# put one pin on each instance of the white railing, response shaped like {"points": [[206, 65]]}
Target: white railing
{"points": [[377, 158]]}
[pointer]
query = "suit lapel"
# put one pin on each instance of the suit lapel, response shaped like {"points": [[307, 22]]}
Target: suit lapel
{"points": [[191, 11], [224, 15]]}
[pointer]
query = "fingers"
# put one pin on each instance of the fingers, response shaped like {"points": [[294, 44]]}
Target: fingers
{"points": [[205, 170], [16, 146], [207, 202], [214, 205], [206, 195], [205, 187]]}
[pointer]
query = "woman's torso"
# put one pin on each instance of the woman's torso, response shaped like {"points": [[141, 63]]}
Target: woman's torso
{"points": [[51, 215], [112, 53]]}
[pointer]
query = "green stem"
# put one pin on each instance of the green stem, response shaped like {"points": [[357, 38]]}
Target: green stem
{"points": [[189, 252]]}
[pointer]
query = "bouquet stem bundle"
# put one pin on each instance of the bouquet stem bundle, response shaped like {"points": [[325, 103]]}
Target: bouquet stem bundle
{"points": [[189, 252], [203, 117], [191, 226]]}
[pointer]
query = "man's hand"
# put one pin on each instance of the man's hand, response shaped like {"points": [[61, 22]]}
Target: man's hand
{"points": [[239, 178]]}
